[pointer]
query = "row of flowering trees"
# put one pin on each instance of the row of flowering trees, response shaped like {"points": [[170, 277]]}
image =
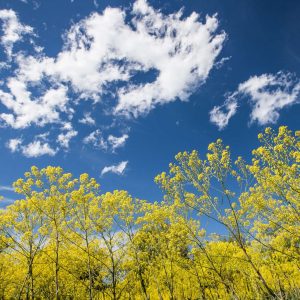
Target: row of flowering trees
{"points": [[66, 240]]}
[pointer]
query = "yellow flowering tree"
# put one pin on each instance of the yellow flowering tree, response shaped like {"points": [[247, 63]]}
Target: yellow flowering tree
{"points": [[226, 229], [251, 201]]}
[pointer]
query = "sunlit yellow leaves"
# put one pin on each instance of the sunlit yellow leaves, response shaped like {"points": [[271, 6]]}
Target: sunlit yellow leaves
{"points": [[64, 239]]}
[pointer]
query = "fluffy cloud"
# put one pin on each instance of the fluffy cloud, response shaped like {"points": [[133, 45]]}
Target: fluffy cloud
{"points": [[182, 51], [34, 149], [267, 94], [102, 55], [13, 30], [26, 110], [37, 148], [118, 169]]}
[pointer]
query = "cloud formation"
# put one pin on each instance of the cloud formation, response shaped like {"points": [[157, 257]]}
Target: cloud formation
{"points": [[87, 119], [118, 169], [27, 110], [38, 147], [64, 138], [12, 30], [117, 142], [101, 58], [267, 95], [112, 143], [220, 115], [14, 144], [6, 188]]}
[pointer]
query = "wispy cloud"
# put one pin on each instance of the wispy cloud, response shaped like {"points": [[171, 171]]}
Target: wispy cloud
{"points": [[6, 201], [112, 142], [87, 119], [220, 115], [96, 139], [118, 169], [117, 142], [6, 188]]}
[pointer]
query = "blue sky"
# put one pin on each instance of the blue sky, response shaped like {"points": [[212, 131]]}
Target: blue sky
{"points": [[117, 88]]}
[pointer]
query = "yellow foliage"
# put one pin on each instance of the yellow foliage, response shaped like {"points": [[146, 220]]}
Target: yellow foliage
{"points": [[64, 239]]}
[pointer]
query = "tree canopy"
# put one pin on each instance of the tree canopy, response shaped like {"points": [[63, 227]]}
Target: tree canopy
{"points": [[64, 239]]}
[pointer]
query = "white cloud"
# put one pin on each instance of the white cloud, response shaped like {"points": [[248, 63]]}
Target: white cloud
{"points": [[267, 94], [26, 110], [93, 137], [65, 138], [117, 142], [37, 148], [96, 4], [103, 48], [13, 30], [108, 48], [112, 143], [87, 119], [6, 188], [66, 135], [14, 144], [96, 139], [43, 136], [183, 51], [67, 126], [118, 169], [220, 115]]}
